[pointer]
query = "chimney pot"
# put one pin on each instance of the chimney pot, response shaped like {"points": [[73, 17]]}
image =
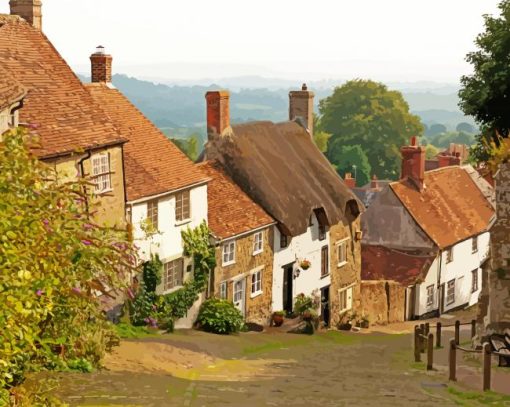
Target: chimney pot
{"points": [[304, 87], [29, 10]]}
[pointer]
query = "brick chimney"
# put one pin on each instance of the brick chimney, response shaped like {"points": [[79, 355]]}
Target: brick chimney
{"points": [[101, 66], [447, 160], [301, 107], [218, 112], [349, 181], [29, 10], [374, 184], [413, 163]]}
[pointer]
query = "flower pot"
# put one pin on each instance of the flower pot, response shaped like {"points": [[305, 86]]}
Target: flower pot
{"points": [[364, 324], [278, 320], [345, 327]]}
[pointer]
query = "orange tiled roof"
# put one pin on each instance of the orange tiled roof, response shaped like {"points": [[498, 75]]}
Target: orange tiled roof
{"points": [[10, 90], [231, 211], [66, 116], [450, 209], [152, 163]]}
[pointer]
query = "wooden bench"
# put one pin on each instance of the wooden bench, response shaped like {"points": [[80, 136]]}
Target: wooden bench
{"points": [[501, 344]]}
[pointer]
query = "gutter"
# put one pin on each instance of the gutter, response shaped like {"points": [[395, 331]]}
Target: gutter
{"points": [[171, 192], [89, 149], [16, 108], [249, 232]]}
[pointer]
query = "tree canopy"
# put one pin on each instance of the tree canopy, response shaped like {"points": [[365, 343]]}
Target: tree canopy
{"points": [[485, 94], [367, 114], [350, 159]]}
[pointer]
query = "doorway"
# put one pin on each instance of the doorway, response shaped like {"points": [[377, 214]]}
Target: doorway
{"points": [[288, 281], [325, 306], [239, 294]]}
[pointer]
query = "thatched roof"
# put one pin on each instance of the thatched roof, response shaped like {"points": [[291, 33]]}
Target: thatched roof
{"points": [[281, 169]]}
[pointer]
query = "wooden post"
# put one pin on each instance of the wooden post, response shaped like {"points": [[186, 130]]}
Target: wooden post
{"points": [[457, 332], [430, 351], [417, 344], [452, 357], [473, 328], [427, 328], [487, 352], [422, 340], [438, 334]]}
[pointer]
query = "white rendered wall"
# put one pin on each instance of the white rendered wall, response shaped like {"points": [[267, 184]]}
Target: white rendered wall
{"points": [[305, 246]]}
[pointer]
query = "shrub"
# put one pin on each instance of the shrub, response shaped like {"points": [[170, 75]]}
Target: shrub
{"points": [[220, 317], [303, 303]]}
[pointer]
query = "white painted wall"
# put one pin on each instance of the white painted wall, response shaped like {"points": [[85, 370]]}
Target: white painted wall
{"points": [[305, 246], [464, 262]]}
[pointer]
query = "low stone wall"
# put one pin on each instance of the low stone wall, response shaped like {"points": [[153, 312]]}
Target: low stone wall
{"points": [[383, 301]]}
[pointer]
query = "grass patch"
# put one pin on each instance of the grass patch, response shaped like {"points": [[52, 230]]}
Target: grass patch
{"points": [[466, 398], [128, 331]]}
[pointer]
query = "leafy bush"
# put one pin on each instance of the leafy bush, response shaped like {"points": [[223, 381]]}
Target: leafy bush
{"points": [[81, 365], [303, 303], [220, 317]]}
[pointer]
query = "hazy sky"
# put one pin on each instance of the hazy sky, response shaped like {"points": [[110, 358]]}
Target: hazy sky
{"points": [[393, 40]]}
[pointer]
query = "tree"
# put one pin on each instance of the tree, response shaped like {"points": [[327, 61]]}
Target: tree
{"points": [[466, 128], [188, 146], [366, 113], [436, 129], [444, 140], [344, 158], [485, 94], [431, 151], [53, 261]]}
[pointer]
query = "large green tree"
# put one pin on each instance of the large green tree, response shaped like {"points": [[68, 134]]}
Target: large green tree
{"points": [[366, 113], [486, 93], [350, 159]]}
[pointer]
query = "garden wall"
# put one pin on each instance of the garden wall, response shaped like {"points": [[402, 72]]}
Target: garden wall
{"points": [[383, 301]]}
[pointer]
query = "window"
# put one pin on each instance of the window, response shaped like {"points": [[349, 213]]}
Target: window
{"points": [[229, 253], [101, 172], [474, 244], [258, 240], [172, 274], [449, 255], [284, 240], [238, 291], [182, 206], [322, 232], [152, 213], [430, 295], [256, 283], [223, 290], [345, 299], [474, 281], [450, 296], [324, 261], [342, 253]]}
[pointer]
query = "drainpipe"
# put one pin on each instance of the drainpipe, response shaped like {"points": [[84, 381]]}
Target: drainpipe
{"points": [[82, 172]]}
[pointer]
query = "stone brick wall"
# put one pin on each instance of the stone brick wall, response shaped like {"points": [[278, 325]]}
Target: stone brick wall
{"points": [[495, 296], [349, 274], [257, 309], [101, 68], [383, 301]]}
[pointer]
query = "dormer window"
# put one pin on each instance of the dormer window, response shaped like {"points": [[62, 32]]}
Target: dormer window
{"points": [[101, 173]]}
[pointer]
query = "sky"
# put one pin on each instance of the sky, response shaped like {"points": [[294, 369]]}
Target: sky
{"points": [[389, 40]]}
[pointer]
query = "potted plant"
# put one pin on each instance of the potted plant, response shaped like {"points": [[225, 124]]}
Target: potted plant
{"points": [[307, 315], [278, 317], [345, 323], [363, 322], [305, 264]]}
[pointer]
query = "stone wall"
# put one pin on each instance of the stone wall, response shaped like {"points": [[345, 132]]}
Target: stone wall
{"points": [[383, 301], [348, 274], [257, 309], [495, 296]]}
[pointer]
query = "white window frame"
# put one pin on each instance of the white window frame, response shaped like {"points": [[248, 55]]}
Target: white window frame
{"points": [[101, 173], [474, 244], [430, 295], [228, 253], [258, 243], [255, 283], [474, 281], [238, 291], [179, 197], [165, 279], [345, 299], [449, 255], [224, 290], [450, 292], [155, 210], [340, 244]]}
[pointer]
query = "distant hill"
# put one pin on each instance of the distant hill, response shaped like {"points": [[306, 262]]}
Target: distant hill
{"points": [[179, 110]]}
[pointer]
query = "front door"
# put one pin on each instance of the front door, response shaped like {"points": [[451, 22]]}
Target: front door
{"points": [[239, 290], [325, 314], [288, 280]]}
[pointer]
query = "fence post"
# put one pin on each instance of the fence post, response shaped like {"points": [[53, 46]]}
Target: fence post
{"points": [[417, 344], [457, 332], [473, 328], [487, 352], [427, 328], [422, 340], [438, 334], [430, 351], [452, 356]]}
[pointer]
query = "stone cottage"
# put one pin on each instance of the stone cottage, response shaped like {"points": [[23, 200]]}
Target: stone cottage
{"points": [[278, 166], [243, 234]]}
